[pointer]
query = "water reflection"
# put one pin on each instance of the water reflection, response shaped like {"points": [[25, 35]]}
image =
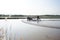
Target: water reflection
{"points": [[50, 23], [17, 30]]}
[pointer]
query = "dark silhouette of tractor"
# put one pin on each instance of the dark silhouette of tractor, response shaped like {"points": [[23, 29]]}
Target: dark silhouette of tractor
{"points": [[29, 18]]}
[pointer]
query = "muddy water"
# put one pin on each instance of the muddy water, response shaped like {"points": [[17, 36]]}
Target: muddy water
{"points": [[17, 30]]}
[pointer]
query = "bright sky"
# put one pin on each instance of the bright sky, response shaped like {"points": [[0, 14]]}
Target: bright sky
{"points": [[30, 7]]}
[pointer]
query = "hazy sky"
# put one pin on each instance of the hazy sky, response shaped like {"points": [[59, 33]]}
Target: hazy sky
{"points": [[30, 7]]}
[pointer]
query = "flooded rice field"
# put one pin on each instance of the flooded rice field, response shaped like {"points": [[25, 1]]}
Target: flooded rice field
{"points": [[21, 29]]}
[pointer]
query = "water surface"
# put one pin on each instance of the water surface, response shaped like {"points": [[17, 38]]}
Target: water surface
{"points": [[17, 30]]}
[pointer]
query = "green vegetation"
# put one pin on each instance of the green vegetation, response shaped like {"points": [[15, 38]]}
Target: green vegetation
{"points": [[32, 16], [50, 16]]}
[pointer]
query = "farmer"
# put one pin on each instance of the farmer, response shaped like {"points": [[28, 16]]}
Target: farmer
{"points": [[38, 19]]}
